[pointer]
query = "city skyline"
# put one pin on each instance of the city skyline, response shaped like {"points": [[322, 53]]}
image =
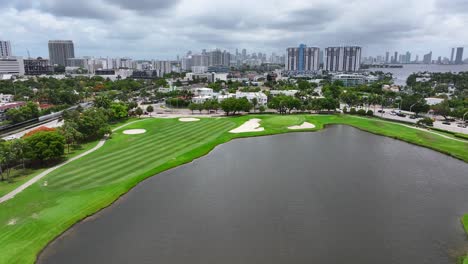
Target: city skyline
{"points": [[116, 28]]}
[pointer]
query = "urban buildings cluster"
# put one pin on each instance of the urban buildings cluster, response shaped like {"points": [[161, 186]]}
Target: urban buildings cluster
{"points": [[309, 60], [456, 57], [221, 61], [297, 61]]}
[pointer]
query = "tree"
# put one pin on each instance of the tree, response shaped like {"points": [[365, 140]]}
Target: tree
{"points": [[229, 105], [149, 109], [92, 123], [193, 107], [46, 146], [118, 111], [254, 103], [20, 149], [261, 109], [139, 111], [349, 98], [6, 157], [102, 102], [442, 109], [70, 132]]}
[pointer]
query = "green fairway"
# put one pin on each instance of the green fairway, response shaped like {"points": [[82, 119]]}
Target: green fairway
{"points": [[42, 212]]}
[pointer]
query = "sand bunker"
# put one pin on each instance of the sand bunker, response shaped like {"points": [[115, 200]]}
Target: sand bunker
{"points": [[305, 125], [134, 131], [12, 221], [253, 125], [188, 119]]}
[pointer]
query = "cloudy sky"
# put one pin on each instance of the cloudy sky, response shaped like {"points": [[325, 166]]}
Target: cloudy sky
{"points": [[163, 29]]}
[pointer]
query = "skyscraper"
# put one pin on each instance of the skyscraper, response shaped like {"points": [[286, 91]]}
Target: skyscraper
{"points": [[387, 57], [303, 59], [5, 49], [395, 57], [451, 56], [60, 51], [427, 59], [408, 57], [459, 56], [342, 59]]}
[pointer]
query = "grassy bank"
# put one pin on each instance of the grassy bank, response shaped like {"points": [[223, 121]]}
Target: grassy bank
{"points": [[40, 213]]}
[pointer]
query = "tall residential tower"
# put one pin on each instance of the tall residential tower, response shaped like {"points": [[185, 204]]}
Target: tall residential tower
{"points": [[303, 59], [342, 59], [60, 51]]}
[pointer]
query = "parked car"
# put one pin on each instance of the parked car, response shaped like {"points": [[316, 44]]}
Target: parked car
{"points": [[462, 125], [413, 117], [381, 111], [401, 115], [446, 123]]}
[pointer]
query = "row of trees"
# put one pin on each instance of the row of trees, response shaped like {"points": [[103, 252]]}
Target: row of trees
{"points": [[39, 147]]}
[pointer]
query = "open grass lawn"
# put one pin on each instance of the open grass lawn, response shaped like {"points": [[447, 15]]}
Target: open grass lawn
{"points": [[42, 212]]}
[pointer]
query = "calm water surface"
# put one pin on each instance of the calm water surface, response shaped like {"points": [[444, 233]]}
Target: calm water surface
{"points": [[335, 196], [401, 74]]}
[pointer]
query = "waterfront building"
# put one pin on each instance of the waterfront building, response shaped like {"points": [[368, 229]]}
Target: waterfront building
{"points": [[342, 59]]}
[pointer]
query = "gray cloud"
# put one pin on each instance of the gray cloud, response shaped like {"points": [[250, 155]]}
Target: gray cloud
{"points": [[164, 28], [144, 5]]}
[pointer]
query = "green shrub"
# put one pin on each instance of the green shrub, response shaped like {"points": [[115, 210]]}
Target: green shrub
{"points": [[425, 121], [345, 110], [370, 113], [352, 111], [361, 112]]}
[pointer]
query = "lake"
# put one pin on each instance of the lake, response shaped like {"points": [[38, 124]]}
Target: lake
{"points": [[339, 195], [401, 74]]}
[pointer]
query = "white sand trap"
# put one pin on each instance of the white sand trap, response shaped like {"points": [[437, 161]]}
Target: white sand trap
{"points": [[12, 221], [188, 119], [253, 125], [305, 125], [134, 131], [45, 183]]}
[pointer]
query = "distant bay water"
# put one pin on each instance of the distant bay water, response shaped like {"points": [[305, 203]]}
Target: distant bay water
{"points": [[401, 74]]}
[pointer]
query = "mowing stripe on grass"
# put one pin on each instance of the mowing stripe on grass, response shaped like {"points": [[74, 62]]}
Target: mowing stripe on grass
{"points": [[124, 168], [143, 154]]}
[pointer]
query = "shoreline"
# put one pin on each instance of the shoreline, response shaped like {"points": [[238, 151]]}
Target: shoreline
{"points": [[205, 149]]}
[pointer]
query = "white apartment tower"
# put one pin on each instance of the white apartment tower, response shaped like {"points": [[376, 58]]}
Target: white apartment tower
{"points": [[342, 59]]}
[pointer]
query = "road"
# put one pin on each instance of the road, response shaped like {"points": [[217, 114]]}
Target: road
{"points": [[51, 124], [437, 124]]}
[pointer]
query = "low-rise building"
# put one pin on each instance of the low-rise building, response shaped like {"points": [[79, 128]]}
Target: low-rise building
{"points": [[12, 65], [284, 92], [262, 99], [433, 100], [6, 98], [4, 107]]}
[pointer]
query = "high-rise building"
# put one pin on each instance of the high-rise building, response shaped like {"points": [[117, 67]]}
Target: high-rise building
{"points": [[5, 48], [452, 56], [427, 59], [60, 51], [395, 57], [387, 57], [303, 59], [408, 57], [342, 59], [459, 56]]}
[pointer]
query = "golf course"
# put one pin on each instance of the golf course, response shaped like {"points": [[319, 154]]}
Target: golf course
{"points": [[43, 211]]}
